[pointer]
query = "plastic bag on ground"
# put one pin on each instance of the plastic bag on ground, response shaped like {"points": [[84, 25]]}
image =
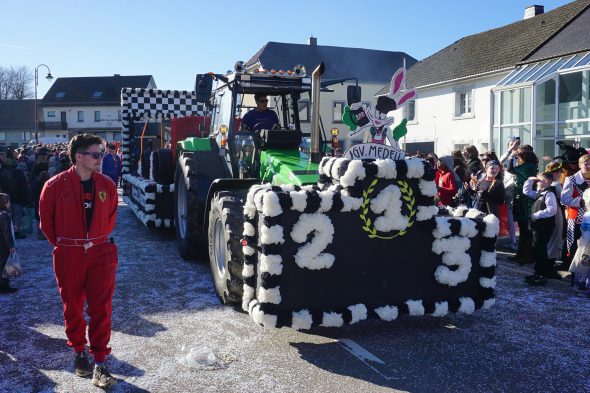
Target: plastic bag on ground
{"points": [[196, 356], [12, 267]]}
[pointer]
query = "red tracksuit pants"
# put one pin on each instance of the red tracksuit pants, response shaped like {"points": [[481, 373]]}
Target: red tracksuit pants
{"points": [[87, 276]]}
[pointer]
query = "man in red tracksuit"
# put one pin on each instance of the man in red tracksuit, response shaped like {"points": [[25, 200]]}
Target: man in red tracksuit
{"points": [[77, 212]]}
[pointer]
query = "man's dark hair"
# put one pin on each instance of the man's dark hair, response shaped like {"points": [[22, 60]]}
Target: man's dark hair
{"points": [[80, 143], [258, 96], [527, 155]]}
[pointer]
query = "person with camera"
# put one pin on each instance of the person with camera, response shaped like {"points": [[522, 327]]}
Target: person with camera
{"points": [[526, 167], [542, 224], [509, 188]]}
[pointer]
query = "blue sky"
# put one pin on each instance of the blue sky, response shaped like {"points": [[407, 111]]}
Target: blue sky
{"points": [[173, 40]]}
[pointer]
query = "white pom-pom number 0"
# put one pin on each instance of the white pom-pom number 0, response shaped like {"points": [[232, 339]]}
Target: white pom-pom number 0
{"points": [[310, 254]]}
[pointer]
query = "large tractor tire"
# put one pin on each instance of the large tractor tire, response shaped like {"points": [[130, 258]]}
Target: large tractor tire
{"points": [[191, 240], [163, 166], [226, 222]]}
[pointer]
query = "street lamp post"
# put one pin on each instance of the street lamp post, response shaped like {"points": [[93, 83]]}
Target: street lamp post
{"points": [[49, 77]]}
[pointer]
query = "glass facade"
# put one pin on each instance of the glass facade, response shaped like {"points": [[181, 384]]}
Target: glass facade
{"points": [[543, 103]]}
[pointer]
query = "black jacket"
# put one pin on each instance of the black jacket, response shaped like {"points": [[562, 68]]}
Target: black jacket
{"points": [[6, 239]]}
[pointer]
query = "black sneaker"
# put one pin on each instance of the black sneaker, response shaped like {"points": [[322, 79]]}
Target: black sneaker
{"points": [[530, 277], [82, 366], [537, 280], [102, 378], [6, 290]]}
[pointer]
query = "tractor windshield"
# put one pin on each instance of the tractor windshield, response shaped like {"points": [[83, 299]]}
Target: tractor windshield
{"points": [[284, 107]]}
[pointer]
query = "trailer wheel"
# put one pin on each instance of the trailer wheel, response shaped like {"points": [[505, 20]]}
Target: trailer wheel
{"points": [[163, 166], [189, 234], [226, 222]]}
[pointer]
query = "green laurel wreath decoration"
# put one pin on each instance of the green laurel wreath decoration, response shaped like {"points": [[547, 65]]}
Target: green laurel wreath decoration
{"points": [[409, 201]]}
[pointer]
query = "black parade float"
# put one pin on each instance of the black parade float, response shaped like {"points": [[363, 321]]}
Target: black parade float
{"points": [[366, 241]]}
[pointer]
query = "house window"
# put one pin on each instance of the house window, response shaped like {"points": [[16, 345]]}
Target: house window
{"points": [[337, 111], [26, 136], [464, 103], [80, 116], [411, 111], [96, 116], [2, 135], [51, 114], [97, 94], [119, 115], [60, 94], [304, 111]]}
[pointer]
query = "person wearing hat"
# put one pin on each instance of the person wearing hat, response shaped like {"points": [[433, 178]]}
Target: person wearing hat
{"points": [[571, 198], [111, 164], [542, 224], [570, 157], [260, 117]]}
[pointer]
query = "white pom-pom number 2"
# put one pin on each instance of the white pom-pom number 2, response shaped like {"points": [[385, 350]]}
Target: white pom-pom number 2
{"points": [[310, 254]]}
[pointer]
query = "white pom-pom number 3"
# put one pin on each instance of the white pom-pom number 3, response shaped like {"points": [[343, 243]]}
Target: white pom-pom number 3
{"points": [[310, 254]]}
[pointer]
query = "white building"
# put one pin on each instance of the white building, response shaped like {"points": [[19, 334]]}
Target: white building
{"points": [[88, 104], [507, 81]]}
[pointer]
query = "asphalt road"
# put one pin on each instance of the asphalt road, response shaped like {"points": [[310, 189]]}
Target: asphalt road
{"points": [[533, 339]]}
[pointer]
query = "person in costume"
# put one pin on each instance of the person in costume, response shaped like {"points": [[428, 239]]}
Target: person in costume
{"points": [[542, 223], [571, 197], [555, 245], [77, 210], [580, 266], [260, 117]]}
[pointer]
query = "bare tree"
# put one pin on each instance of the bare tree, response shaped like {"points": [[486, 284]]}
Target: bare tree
{"points": [[15, 83], [4, 83]]}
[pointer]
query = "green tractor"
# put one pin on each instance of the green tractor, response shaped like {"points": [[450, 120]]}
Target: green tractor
{"points": [[214, 174]]}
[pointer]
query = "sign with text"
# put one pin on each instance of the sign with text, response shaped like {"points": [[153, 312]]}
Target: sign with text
{"points": [[373, 151]]}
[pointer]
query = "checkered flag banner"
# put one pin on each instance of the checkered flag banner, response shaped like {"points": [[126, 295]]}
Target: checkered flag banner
{"points": [[144, 104]]}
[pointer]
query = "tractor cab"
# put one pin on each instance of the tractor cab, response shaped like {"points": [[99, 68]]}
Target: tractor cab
{"points": [[233, 96]]}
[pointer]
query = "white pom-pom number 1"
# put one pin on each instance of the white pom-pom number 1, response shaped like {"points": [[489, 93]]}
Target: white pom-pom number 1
{"points": [[310, 254]]}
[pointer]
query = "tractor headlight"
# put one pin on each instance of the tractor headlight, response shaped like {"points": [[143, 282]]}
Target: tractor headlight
{"points": [[299, 70]]}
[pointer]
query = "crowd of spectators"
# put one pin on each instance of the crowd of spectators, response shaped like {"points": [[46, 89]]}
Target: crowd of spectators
{"points": [[545, 204], [24, 171]]}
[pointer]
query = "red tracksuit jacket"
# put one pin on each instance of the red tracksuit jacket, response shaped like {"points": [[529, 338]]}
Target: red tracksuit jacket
{"points": [[61, 212]]}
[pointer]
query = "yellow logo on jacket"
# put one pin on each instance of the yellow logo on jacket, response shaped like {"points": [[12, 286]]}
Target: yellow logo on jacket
{"points": [[102, 195]]}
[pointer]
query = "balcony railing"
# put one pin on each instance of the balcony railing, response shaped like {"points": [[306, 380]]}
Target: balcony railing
{"points": [[53, 125]]}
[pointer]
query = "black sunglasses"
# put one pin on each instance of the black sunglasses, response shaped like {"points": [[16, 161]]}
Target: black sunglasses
{"points": [[262, 101], [95, 154]]}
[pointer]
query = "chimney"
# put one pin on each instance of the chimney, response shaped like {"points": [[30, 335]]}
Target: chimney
{"points": [[533, 10], [312, 41]]}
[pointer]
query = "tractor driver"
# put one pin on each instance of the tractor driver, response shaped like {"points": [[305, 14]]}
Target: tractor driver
{"points": [[260, 117]]}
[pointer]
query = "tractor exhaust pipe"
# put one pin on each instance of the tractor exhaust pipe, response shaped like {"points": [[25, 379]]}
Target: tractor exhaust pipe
{"points": [[316, 154]]}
